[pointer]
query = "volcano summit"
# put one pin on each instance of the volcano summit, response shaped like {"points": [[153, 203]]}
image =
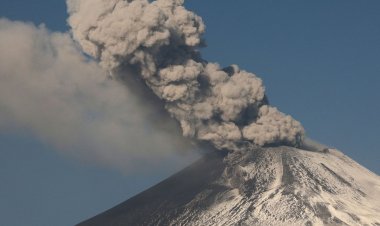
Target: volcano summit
{"points": [[266, 186]]}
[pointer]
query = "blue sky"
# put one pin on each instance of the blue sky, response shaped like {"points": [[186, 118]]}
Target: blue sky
{"points": [[318, 60]]}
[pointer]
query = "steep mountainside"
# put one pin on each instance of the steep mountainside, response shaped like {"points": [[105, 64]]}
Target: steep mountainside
{"points": [[266, 186]]}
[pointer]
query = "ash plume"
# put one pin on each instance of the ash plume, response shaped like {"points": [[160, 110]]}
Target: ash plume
{"points": [[49, 90], [160, 40]]}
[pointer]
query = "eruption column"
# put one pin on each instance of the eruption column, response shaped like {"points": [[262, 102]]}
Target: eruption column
{"points": [[160, 40]]}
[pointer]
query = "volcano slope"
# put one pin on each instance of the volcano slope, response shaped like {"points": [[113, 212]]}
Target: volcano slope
{"points": [[263, 186]]}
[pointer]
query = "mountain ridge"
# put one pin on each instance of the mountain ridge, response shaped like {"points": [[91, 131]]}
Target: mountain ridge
{"points": [[263, 186]]}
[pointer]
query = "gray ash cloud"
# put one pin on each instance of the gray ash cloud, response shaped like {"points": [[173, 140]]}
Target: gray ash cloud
{"points": [[160, 41]]}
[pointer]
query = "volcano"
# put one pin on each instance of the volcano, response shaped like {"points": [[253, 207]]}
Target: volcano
{"points": [[262, 186]]}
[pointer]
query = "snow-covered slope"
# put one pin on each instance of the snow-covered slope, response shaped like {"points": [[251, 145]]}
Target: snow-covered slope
{"points": [[266, 186]]}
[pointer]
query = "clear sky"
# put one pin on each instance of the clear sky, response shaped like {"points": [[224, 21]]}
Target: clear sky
{"points": [[319, 61]]}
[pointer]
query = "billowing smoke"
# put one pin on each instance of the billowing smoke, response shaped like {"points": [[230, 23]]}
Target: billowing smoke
{"points": [[160, 41], [50, 90]]}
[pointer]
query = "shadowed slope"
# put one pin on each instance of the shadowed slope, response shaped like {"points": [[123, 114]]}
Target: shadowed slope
{"points": [[165, 200]]}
